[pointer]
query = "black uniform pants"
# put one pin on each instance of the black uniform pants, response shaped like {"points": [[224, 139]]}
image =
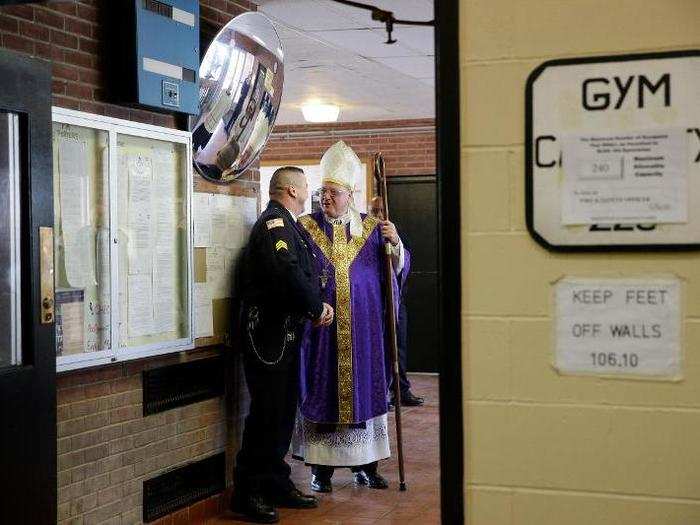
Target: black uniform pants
{"points": [[274, 394]]}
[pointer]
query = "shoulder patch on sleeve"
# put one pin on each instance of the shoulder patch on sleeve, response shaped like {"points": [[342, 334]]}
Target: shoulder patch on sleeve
{"points": [[281, 245], [275, 223]]}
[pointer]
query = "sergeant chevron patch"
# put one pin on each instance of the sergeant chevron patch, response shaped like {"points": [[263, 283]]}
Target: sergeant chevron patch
{"points": [[281, 245]]}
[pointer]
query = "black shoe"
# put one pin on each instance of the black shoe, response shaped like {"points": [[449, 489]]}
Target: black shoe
{"points": [[294, 499], [254, 508], [321, 484], [408, 399], [372, 479]]}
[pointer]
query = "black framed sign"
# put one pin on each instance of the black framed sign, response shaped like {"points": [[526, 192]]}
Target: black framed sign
{"points": [[612, 158]]}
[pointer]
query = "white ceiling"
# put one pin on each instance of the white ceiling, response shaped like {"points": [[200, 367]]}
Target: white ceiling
{"points": [[336, 53]]}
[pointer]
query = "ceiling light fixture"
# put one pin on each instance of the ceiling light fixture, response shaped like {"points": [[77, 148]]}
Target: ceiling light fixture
{"points": [[320, 112]]}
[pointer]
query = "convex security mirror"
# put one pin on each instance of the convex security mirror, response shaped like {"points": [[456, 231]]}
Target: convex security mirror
{"points": [[241, 80]]}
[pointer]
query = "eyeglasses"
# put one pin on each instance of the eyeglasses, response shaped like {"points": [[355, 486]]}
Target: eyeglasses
{"points": [[333, 192]]}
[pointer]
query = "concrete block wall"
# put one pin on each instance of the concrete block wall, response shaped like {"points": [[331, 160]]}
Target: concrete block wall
{"points": [[540, 448]]}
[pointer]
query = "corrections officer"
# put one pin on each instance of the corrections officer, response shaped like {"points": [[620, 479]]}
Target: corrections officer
{"points": [[279, 294]]}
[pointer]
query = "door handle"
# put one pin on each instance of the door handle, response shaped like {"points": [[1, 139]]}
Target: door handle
{"points": [[46, 269]]}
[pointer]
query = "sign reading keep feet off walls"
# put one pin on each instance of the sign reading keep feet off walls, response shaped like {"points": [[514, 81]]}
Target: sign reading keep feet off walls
{"points": [[618, 327]]}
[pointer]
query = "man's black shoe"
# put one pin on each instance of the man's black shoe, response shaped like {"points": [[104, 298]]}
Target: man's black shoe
{"points": [[254, 508], [321, 484], [408, 399], [371, 479], [294, 499]]}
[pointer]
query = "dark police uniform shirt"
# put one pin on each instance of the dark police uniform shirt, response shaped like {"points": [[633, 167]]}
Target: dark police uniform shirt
{"points": [[279, 286]]}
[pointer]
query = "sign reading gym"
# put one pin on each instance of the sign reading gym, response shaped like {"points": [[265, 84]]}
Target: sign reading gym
{"points": [[613, 152]]}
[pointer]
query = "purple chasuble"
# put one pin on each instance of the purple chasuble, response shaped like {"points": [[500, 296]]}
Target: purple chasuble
{"points": [[345, 366]]}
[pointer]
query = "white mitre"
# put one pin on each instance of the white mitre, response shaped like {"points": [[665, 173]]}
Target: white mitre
{"points": [[342, 166]]}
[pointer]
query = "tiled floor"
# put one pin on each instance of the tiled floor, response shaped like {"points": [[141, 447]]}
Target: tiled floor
{"points": [[349, 504]]}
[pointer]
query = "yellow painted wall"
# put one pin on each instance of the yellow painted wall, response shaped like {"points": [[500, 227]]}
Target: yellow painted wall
{"points": [[544, 449]]}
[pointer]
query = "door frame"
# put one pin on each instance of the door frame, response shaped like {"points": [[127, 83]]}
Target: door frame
{"points": [[447, 103], [31, 430]]}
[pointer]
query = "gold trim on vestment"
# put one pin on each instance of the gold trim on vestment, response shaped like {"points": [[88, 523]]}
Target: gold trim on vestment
{"points": [[341, 254]]}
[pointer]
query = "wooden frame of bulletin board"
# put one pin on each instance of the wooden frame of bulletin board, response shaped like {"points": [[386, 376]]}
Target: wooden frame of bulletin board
{"points": [[246, 186], [305, 164]]}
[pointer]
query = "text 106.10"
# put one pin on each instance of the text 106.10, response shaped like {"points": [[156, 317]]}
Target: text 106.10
{"points": [[611, 359]]}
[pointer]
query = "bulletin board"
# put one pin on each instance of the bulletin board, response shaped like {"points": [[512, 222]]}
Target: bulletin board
{"points": [[223, 216], [312, 169], [130, 280], [122, 239]]}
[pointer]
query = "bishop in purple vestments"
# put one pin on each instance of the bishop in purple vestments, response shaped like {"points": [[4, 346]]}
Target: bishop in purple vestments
{"points": [[343, 405]]}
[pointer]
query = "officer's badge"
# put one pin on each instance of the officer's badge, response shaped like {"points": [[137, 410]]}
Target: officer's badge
{"points": [[275, 223], [281, 245]]}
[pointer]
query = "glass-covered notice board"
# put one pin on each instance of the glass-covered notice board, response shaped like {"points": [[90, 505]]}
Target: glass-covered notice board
{"points": [[123, 257]]}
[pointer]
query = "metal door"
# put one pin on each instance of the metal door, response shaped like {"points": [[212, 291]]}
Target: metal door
{"points": [[413, 208], [27, 352]]}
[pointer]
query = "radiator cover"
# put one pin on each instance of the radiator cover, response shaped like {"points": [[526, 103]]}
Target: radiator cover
{"points": [[179, 488], [182, 384]]}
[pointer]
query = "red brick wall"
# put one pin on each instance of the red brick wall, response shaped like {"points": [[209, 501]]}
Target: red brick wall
{"points": [[106, 448], [406, 153]]}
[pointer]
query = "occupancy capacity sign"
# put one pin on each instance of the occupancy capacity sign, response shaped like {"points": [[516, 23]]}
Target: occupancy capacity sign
{"points": [[618, 327], [625, 178]]}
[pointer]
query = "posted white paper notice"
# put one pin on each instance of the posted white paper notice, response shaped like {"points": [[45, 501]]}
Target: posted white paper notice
{"points": [[219, 272], [638, 177], [201, 209], [75, 219], [164, 292], [204, 311], [140, 214], [232, 218], [140, 308], [619, 326]]}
